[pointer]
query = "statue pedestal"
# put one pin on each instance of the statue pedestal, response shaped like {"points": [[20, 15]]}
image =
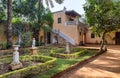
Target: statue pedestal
{"points": [[34, 50], [16, 64], [67, 48]]}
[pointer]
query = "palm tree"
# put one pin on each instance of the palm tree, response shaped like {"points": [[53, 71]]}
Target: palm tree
{"points": [[9, 24], [50, 2]]}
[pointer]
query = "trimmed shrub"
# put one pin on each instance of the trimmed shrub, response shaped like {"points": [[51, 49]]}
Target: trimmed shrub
{"points": [[3, 46], [31, 70], [59, 53]]}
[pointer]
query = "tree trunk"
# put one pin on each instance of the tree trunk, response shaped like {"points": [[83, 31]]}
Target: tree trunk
{"points": [[9, 24], [39, 8], [103, 46]]}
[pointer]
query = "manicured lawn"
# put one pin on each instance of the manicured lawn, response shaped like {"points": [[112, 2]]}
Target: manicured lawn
{"points": [[63, 64]]}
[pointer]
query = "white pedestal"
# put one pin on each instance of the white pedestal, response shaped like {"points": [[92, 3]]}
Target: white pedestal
{"points": [[67, 48], [16, 64], [16, 54], [16, 57]]}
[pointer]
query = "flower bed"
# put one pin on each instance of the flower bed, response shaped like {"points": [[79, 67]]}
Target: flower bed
{"points": [[75, 53], [47, 62]]}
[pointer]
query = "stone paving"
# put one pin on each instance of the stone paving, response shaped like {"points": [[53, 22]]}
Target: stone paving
{"points": [[106, 65]]}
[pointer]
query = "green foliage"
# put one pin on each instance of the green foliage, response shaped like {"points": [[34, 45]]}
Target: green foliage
{"points": [[28, 12], [103, 15], [25, 9], [26, 39], [18, 27], [31, 70], [3, 8], [63, 64], [61, 54]]}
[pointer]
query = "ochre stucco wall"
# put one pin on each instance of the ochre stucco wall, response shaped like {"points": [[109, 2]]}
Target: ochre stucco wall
{"points": [[69, 30], [109, 38], [3, 38], [2, 34], [41, 36]]}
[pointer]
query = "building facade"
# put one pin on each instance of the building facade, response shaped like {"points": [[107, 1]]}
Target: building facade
{"points": [[67, 27]]}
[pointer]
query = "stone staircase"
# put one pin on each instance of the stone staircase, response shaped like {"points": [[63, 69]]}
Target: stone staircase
{"points": [[62, 38]]}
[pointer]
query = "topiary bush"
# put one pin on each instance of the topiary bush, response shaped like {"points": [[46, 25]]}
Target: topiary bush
{"points": [[76, 52]]}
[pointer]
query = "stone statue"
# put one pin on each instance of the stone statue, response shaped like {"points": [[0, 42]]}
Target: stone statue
{"points": [[34, 49], [33, 43]]}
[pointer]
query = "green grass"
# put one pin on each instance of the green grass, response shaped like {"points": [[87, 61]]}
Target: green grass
{"points": [[63, 64]]}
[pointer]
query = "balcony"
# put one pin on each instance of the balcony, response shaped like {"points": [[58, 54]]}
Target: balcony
{"points": [[71, 23]]}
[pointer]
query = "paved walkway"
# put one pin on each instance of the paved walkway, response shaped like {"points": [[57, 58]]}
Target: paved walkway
{"points": [[105, 66]]}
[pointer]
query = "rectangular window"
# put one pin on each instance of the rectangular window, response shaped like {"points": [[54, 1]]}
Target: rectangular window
{"points": [[92, 35], [59, 20]]}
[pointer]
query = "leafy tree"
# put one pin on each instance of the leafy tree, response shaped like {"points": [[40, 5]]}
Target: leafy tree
{"points": [[29, 11], [30, 15], [32, 10], [22, 31], [103, 16], [3, 8]]}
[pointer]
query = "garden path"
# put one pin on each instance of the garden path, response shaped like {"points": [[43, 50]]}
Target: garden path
{"points": [[106, 65]]}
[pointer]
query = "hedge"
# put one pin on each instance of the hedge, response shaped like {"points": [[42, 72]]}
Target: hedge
{"points": [[31, 70], [78, 52]]}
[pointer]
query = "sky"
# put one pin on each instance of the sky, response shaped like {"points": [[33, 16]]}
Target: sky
{"points": [[76, 5]]}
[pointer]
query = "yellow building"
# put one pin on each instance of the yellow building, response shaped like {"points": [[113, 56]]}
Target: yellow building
{"points": [[111, 38], [66, 27]]}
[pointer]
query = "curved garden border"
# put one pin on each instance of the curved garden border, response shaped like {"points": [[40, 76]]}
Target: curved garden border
{"points": [[48, 63], [79, 64], [68, 56]]}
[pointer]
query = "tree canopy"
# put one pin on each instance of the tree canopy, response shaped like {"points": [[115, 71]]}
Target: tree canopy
{"points": [[29, 12], [103, 16]]}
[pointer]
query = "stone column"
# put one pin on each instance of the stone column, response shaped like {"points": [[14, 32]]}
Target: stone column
{"points": [[16, 54], [16, 64]]}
